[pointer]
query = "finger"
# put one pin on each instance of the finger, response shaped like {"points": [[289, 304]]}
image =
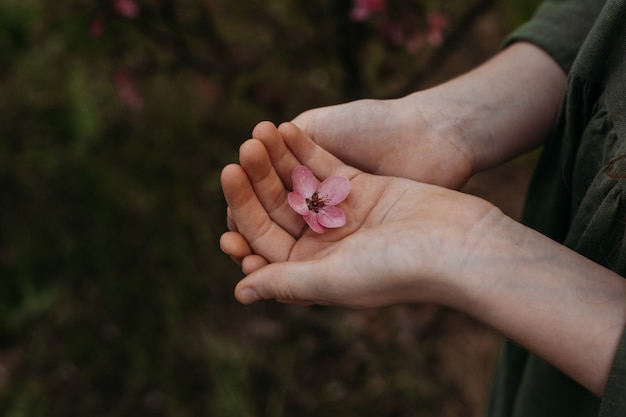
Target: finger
{"points": [[282, 158], [264, 237], [238, 249], [234, 245], [304, 149], [269, 187], [230, 222], [286, 282], [252, 263]]}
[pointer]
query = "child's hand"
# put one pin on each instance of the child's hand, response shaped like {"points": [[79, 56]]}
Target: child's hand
{"points": [[399, 234]]}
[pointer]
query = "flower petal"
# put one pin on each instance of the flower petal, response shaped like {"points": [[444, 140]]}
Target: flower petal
{"points": [[331, 217], [312, 220], [304, 181], [297, 203], [334, 189]]}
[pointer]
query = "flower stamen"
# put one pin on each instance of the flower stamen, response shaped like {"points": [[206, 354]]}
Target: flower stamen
{"points": [[315, 203]]}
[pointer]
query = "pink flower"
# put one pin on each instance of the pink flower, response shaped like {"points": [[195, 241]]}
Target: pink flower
{"points": [[317, 204], [362, 9]]}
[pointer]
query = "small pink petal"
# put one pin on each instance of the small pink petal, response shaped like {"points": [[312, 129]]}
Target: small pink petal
{"points": [[297, 203], [331, 217], [334, 189], [304, 181], [313, 221]]}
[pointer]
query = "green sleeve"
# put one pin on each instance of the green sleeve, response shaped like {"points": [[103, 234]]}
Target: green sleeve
{"points": [[559, 27]]}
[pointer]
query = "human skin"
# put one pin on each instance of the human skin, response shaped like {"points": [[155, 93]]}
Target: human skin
{"points": [[444, 134], [411, 242]]}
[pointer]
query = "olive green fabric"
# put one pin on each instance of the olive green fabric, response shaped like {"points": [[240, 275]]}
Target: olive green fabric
{"points": [[578, 193]]}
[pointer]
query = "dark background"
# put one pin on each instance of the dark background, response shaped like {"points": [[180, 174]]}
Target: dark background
{"points": [[116, 118]]}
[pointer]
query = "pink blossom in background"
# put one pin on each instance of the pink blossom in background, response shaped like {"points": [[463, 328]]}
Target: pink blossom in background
{"points": [[413, 37], [362, 9], [394, 31], [437, 22], [399, 35], [317, 203], [126, 89], [126, 8], [96, 26], [414, 41]]}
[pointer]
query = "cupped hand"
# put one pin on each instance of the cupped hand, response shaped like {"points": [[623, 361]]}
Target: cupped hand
{"points": [[419, 137], [404, 241]]}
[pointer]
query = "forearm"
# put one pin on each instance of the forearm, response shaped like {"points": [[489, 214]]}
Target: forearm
{"points": [[556, 303], [445, 134], [407, 242], [498, 111]]}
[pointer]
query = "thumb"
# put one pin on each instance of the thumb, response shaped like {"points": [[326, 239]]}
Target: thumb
{"points": [[285, 282]]}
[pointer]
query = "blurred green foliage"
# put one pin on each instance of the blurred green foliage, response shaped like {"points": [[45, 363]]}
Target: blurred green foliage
{"points": [[519, 11], [114, 297]]}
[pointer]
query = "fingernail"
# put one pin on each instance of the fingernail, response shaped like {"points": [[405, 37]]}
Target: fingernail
{"points": [[248, 296]]}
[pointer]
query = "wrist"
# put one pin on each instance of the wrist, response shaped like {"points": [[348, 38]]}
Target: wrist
{"points": [[434, 136], [498, 111], [545, 297], [486, 239], [464, 237]]}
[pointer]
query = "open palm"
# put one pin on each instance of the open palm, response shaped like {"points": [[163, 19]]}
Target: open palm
{"points": [[395, 227]]}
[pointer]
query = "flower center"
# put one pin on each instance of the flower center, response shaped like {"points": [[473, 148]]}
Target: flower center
{"points": [[315, 203]]}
